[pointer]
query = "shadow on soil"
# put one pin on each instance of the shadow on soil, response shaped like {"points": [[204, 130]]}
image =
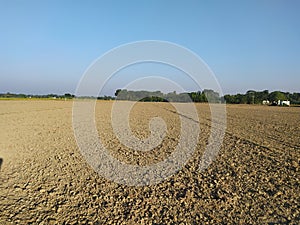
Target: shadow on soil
{"points": [[1, 161]]}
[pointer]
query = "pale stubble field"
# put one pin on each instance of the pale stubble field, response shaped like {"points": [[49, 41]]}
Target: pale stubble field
{"points": [[45, 179]]}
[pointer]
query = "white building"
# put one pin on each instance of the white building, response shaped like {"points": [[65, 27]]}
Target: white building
{"points": [[282, 102], [265, 102]]}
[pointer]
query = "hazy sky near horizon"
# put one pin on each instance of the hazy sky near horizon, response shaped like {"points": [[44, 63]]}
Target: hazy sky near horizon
{"points": [[45, 46]]}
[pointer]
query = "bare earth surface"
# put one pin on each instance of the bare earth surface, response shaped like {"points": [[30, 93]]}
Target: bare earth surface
{"points": [[44, 179]]}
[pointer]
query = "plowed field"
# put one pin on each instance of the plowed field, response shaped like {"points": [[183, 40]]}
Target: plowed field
{"points": [[46, 180]]}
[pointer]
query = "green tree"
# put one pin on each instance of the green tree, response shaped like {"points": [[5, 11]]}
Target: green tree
{"points": [[277, 95], [250, 95], [211, 95], [117, 92]]}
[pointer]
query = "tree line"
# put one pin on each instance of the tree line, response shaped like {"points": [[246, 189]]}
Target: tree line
{"points": [[158, 96], [52, 96], [250, 97], [257, 97], [207, 95]]}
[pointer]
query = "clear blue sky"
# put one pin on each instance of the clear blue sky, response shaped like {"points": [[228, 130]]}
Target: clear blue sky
{"points": [[45, 46]]}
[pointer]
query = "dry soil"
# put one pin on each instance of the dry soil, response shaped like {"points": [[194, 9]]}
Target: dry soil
{"points": [[44, 179]]}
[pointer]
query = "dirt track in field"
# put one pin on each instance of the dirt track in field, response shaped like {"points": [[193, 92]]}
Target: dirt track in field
{"points": [[45, 180]]}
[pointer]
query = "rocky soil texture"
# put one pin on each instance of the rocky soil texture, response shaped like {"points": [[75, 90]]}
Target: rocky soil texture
{"points": [[44, 179]]}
